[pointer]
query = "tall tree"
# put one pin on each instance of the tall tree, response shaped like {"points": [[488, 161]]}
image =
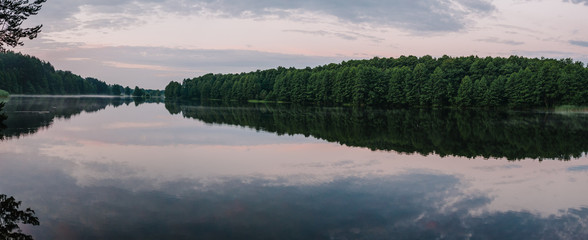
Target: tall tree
{"points": [[117, 89], [138, 92], [173, 90], [12, 15], [465, 93], [413, 88], [127, 90], [398, 77], [439, 93]]}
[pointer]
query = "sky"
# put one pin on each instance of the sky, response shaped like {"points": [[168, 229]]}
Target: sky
{"points": [[148, 43]]}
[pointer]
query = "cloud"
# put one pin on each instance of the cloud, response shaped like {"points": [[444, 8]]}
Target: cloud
{"points": [[124, 125], [112, 22], [579, 43], [412, 15], [62, 15], [585, 2], [342, 35], [154, 67], [502, 41], [419, 206], [143, 66], [517, 29], [581, 168], [420, 15]]}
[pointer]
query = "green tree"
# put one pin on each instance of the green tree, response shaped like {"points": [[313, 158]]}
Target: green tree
{"points": [[117, 90], [480, 88], [138, 92], [494, 96], [477, 68], [396, 92], [413, 88], [377, 85], [127, 91], [173, 90], [546, 88], [12, 15], [343, 86], [360, 86], [465, 93], [11, 216], [427, 92], [439, 93]]}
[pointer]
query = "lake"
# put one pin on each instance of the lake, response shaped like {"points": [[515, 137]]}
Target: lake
{"points": [[112, 168]]}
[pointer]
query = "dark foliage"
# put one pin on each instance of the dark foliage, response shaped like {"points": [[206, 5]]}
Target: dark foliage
{"points": [[514, 82], [12, 15], [23, 74], [11, 216]]}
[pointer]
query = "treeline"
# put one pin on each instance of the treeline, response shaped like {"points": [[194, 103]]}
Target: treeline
{"points": [[468, 133], [514, 82], [24, 74]]}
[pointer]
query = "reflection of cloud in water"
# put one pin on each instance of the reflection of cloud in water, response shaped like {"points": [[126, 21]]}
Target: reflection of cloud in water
{"points": [[520, 186], [75, 129], [498, 168], [125, 125], [581, 168], [412, 205], [349, 164]]}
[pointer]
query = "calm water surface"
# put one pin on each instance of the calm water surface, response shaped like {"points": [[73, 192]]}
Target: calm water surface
{"points": [[103, 168]]}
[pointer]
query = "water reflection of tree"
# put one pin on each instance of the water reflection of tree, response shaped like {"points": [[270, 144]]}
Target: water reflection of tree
{"points": [[2, 118], [2, 115], [35, 113], [11, 216], [513, 135]]}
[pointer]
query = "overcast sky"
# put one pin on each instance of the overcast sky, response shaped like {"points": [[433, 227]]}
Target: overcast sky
{"points": [[151, 42]]}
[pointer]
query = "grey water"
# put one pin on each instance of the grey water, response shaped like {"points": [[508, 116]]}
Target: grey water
{"points": [[112, 168]]}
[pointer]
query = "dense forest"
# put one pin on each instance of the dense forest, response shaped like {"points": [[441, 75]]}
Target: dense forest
{"points": [[515, 82], [23, 74], [467, 133]]}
